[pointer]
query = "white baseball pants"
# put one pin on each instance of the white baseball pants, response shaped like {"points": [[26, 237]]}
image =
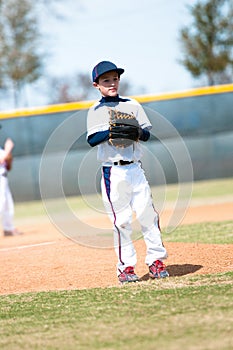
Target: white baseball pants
{"points": [[125, 189]]}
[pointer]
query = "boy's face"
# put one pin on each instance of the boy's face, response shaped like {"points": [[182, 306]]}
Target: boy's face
{"points": [[108, 84]]}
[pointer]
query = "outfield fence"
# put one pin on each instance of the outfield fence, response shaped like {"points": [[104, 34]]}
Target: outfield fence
{"points": [[192, 138]]}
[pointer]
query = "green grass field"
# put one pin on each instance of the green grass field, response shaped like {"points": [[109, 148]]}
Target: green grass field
{"points": [[178, 313], [185, 312], [209, 232]]}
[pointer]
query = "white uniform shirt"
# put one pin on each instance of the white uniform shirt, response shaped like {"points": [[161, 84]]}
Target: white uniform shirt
{"points": [[3, 169], [98, 120]]}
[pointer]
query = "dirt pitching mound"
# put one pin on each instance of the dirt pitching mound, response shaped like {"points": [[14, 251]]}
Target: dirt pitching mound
{"points": [[42, 259]]}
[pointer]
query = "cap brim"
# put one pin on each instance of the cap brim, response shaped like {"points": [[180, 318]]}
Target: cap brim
{"points": [[118, 70]]}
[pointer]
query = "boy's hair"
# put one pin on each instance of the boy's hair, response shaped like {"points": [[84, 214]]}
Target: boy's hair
{"points": [[97, 79]]}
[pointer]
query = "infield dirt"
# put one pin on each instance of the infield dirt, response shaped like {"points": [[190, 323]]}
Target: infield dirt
{"points": [[42, 259]]}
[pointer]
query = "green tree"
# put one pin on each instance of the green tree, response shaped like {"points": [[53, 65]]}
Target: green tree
{"points": [[19, 58], [207, 44], [77, 88]]}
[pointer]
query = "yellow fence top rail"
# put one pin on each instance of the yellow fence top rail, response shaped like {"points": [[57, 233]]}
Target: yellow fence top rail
{"points": [[74, 106]]}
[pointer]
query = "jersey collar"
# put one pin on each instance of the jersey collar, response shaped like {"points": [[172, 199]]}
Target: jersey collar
{"points": [[113, 99]]}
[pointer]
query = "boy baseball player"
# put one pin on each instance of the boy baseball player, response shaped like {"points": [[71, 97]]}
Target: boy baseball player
{"points": [[6, 200], [124, 186]]}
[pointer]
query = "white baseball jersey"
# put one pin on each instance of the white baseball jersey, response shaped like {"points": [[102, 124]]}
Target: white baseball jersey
{"points": [[6, 200], [98, 120]]}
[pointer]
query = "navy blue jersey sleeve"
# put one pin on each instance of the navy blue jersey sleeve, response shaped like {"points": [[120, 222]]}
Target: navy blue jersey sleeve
{"points": [[144, 135], [98, 138]]}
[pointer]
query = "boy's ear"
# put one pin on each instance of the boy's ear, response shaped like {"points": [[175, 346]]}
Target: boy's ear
{"points": [[95, 84]]}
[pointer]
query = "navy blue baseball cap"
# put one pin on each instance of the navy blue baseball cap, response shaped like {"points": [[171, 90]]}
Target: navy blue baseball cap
{"points": [[104, 67]]}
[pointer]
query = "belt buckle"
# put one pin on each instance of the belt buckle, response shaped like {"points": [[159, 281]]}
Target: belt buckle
{"points": [[119, 162], [123, 162]]}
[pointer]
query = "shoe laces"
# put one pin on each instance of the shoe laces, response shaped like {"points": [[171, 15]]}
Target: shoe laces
{"points": [[158, 265], [129, 270]]}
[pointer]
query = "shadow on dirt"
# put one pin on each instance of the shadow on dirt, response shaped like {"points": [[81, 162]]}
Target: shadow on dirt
{"points": [[181, 270], [177, 270]]}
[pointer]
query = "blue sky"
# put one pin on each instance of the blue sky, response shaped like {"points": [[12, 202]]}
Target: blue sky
{"points": [[139, 36]]}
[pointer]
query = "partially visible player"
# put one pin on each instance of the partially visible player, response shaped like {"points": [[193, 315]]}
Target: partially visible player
{"points": [[6, 200], [124, 185]]}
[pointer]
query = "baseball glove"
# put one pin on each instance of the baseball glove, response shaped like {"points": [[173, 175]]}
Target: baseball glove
{"points": [[9, 161], [124, 129]]}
